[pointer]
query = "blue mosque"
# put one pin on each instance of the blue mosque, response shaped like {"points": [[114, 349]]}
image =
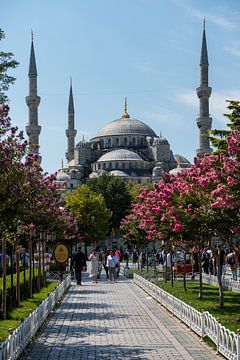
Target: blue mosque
{"points": [[125, 147]]}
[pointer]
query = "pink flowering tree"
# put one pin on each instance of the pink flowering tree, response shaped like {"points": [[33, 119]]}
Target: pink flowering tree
{"points": [[195, 205]]}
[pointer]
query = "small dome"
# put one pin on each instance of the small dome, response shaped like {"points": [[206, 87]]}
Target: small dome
{"points": [[176, 170], [120, 155], [118, 173], [81, 144], [93, 175], [62, 176], [160, 140], [182, 161]]}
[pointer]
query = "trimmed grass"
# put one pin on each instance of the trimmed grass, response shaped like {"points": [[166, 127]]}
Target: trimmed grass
{"points": [[229, 316], [8, 280], [18, 315]]}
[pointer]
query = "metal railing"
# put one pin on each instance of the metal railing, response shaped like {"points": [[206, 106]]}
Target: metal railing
{"points": [[202, 323], [11, 348], [228, 284]]}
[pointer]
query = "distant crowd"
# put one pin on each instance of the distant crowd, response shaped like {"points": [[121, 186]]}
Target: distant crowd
{"points": [[108, 259]]}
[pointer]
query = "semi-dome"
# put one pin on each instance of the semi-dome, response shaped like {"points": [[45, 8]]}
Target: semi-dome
{"points": [[120, 155]]}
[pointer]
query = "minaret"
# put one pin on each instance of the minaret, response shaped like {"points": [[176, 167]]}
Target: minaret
{"points": [[204, 121], [33, 129], [70, 132]]}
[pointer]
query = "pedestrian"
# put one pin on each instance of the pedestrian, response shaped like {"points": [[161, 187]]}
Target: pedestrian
{"points": [[126, 257], [93, 258], [104, 263], [232, 261], [111, 264], [118, 259], [79, 264], [25, 258]]}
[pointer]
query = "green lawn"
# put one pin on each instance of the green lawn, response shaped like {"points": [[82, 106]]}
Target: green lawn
{"points": [[17, 315], [8, 279], [228, 317]]}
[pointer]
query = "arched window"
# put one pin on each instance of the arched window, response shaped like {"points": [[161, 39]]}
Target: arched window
{"points": [[110, 165], [116, 165], [141, 141], [134, 141], [104, 166], [125, 141], [117, 141], [109, 142]]}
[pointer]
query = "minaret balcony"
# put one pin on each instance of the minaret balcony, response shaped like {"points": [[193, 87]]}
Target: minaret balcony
{"points": [[33, 101], [204, 122], [204, 92], [33, 129], [71, 132]]}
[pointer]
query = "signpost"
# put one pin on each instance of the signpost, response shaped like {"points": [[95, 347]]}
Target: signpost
{"points": [[61, 255]]}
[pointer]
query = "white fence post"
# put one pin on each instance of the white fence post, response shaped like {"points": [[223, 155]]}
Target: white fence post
{"points": [[202, 324], [238, 346]]}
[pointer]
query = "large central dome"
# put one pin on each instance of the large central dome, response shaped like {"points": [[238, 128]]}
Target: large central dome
{"points": [[124, 126]]}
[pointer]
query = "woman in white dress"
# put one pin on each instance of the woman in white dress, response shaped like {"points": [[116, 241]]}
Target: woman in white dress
{"points": [[93, 258]]}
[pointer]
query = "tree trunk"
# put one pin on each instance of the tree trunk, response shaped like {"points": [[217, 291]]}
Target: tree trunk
{"points": [[219, 277], [12, 270], [165, 268], [17, 274], [43, 263], [184, 272], [4, 276], [30, 269], [39, 267], [200, 295], [171, 258], [33, 269]]}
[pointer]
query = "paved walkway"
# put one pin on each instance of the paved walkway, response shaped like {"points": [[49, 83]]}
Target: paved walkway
{"points": [[114, 321]]}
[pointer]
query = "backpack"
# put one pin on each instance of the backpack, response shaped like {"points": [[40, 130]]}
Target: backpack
{"points": [[126, 256], [230, 260]]}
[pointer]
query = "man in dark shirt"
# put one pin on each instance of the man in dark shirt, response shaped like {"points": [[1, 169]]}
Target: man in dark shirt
{"points": [[79, 262]]}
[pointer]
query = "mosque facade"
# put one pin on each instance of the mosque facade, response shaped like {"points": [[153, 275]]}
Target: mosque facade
{"points": [[126, 147]]}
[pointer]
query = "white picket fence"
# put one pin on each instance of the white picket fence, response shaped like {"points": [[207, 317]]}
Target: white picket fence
{"points": [[228, 284], [202, 323], [18, 340]]}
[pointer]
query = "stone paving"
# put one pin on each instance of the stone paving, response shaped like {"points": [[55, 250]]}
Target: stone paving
{"points": [[114, 321]]}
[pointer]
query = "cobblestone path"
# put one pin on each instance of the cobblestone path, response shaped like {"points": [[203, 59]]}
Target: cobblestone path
{"points": [[111, 322]]}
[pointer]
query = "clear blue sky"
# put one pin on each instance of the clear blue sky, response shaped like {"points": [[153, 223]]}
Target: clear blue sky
{"points": [[147, 50]]}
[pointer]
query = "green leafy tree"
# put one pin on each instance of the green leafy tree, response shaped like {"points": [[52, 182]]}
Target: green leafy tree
{"points": [[116, 195], [218, 137], [90, 211], [135, 189], [6, 62]]}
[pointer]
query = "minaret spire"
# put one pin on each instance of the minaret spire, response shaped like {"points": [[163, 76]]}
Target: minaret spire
{"points": [[204, 121], [125, 114], [70, 132], [33, 100]]}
